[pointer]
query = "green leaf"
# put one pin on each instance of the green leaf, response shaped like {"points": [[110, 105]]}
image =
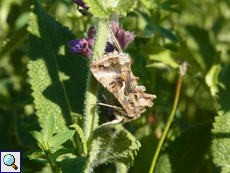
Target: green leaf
{"points": [[149, 30], [76, 165], [162, 55], [124, 6], [224, 89], [221, 140], [104, 8], [81, 135], [221, 131], [48, 128], [170, 9], [98, 8], [166, 33], [167, 6], [60, 138], [148, 142], [57, 77], [144, 15], [211, 77], [112, 143], [204, 43], [169, 3], [37, 155], [17, 39], [62, 151], [38, 136], [189, 56], [186, 152]]}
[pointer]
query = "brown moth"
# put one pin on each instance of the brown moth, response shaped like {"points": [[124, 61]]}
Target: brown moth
{"points": [[114, 72]]}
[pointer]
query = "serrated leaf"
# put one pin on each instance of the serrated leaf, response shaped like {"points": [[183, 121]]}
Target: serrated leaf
{"points": [[221, 131], [225, 170], [57, 77], [186, 152], [124, 6], [98, 8], [60, 138], [76, 165], [166, 33], [104, 8], [81, 135], [113, 144], [38, 136], [48, 128], [221, 140]]}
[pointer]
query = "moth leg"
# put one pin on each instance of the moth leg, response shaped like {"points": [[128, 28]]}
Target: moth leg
{"points": [[117, 120], [112, 122]]}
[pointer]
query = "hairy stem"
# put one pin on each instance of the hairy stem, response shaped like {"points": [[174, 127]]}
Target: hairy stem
{"points": [[51, 163], [183, 69], [121, 168], [91, 116]]}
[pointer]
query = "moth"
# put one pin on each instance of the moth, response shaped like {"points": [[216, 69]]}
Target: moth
{"points": [[113, 71]]}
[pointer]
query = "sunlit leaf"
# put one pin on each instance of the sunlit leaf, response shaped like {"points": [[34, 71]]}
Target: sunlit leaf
{"points": [[104, 8], [162, 55], [113, 144], [38, 136], [57, 77], [81, 135], [221, 131], [60, 138], [48, 128]]}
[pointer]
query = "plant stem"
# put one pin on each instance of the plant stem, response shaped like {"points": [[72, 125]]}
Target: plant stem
{"points": [[51, 163], [182, 72], [91, 116], [121, 168]]}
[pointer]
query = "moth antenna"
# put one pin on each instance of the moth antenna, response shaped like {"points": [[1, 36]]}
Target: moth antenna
{"points": [[115, 41]]}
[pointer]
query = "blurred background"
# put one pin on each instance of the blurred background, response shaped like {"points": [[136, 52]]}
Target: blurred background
{"points": [[168, 33]]}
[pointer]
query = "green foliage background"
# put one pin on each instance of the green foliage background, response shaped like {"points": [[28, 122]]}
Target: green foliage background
{"points": [[168, 33]]}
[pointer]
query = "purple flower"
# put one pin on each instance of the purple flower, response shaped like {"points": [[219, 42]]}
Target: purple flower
{"points": [[81, 4], [123, 37], [83, 46]]}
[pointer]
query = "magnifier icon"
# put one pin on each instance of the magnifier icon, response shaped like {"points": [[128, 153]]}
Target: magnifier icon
{"points": [[9, 160]]}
